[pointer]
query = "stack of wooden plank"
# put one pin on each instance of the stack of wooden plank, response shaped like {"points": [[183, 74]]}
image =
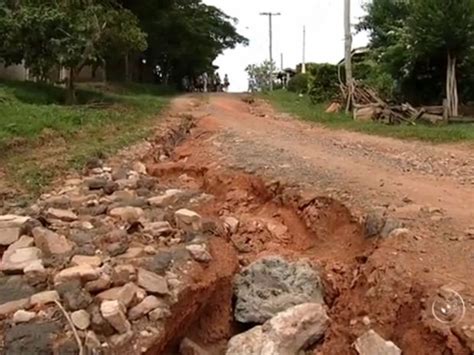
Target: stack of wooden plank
{"points": [[367, 105]]}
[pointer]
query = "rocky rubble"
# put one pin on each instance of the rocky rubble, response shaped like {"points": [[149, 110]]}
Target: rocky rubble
{"points": [[273, 284], [105, 248]]}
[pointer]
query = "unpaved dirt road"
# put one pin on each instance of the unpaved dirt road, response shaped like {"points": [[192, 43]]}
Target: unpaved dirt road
{"points": [[430, 189]]}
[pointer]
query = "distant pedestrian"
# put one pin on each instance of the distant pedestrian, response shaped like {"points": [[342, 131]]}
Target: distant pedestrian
{"points": [[217, 83], [205, 81], [226, 83]]}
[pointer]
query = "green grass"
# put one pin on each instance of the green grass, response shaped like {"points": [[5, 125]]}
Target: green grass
{"points": [[303, 108], [41, 138]]}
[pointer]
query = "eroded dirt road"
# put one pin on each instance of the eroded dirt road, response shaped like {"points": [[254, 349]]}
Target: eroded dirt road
{"points": [[430, 189], [383, 228]]}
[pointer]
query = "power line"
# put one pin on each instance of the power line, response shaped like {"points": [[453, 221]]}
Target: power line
{"points": [[270, 29]]}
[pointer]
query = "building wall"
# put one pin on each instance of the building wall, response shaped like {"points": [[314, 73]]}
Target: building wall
{"points": [[13, 72]]}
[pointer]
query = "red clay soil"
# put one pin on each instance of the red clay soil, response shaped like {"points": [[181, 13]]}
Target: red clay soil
{"points": [[385, 285]]}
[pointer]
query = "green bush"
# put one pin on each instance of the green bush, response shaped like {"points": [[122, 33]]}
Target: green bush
{"points": [[323, 83], [299, 83]]}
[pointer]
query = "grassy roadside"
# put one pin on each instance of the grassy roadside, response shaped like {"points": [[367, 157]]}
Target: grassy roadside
{"points": [[302, 107], [40, 138]]}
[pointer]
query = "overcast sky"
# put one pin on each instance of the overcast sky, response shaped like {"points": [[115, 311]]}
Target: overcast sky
{"points": [[324, 33]]}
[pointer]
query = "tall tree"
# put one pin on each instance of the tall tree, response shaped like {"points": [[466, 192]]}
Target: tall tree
{"points": [[184, 36], [69, 33], [443, 26]]}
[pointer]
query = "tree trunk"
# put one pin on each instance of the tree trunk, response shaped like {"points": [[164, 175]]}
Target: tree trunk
{"points": [[348, 54], [71, 89], [452, 87], [127, 69]]}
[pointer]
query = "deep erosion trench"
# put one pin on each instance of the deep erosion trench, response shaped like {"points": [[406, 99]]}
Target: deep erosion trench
{"points": [[149, 253], [362, 289]]}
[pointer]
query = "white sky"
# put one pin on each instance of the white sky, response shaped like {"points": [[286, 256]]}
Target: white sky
{"points": [[324, 33]]}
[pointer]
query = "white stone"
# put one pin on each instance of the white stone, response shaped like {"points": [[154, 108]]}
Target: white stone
{"points": [[157, 229], [81, 319], [51, 243], [13, 306], [125, 294], [63, 215], [159, 313], [23, 242], [113, 312], [168, 198], [82, 272], [9, 235], [188, 220], [127, 214], [287, 333], [18, 259], [231, 224], [22, 316], [94, 261], [370, 343], [44, 297], [11, 221], [199, 252], [139, 167], [144, 307], [152, 282]]}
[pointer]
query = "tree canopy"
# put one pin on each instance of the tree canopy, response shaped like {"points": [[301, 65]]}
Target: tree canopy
{"points": [[184, 36], [424, 45]]}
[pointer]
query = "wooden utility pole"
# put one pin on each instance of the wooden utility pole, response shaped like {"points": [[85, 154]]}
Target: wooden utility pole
{"points": [[270, 29], [303, 63], [348, 53]]}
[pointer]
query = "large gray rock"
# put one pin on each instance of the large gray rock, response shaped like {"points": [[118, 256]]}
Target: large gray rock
{"points": [[271, 285], [370, 343], [287, 333]]}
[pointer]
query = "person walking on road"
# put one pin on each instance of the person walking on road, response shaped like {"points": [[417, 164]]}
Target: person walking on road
{"points": [[226, 83]]}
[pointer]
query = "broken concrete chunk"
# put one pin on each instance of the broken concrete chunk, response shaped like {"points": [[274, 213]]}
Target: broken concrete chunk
{"points": [[152, 282], [12, 221], [18, 259], [199, 252], [78, 260], [113, 312], [63, 215], [81, 319], [51, 243], [82, 272], [188, 220], [144, 307], [370, 343], [44, 297]]}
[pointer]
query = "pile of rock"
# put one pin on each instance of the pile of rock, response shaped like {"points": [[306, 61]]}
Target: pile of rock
{"points": [[287, 299], [109, 250]]}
